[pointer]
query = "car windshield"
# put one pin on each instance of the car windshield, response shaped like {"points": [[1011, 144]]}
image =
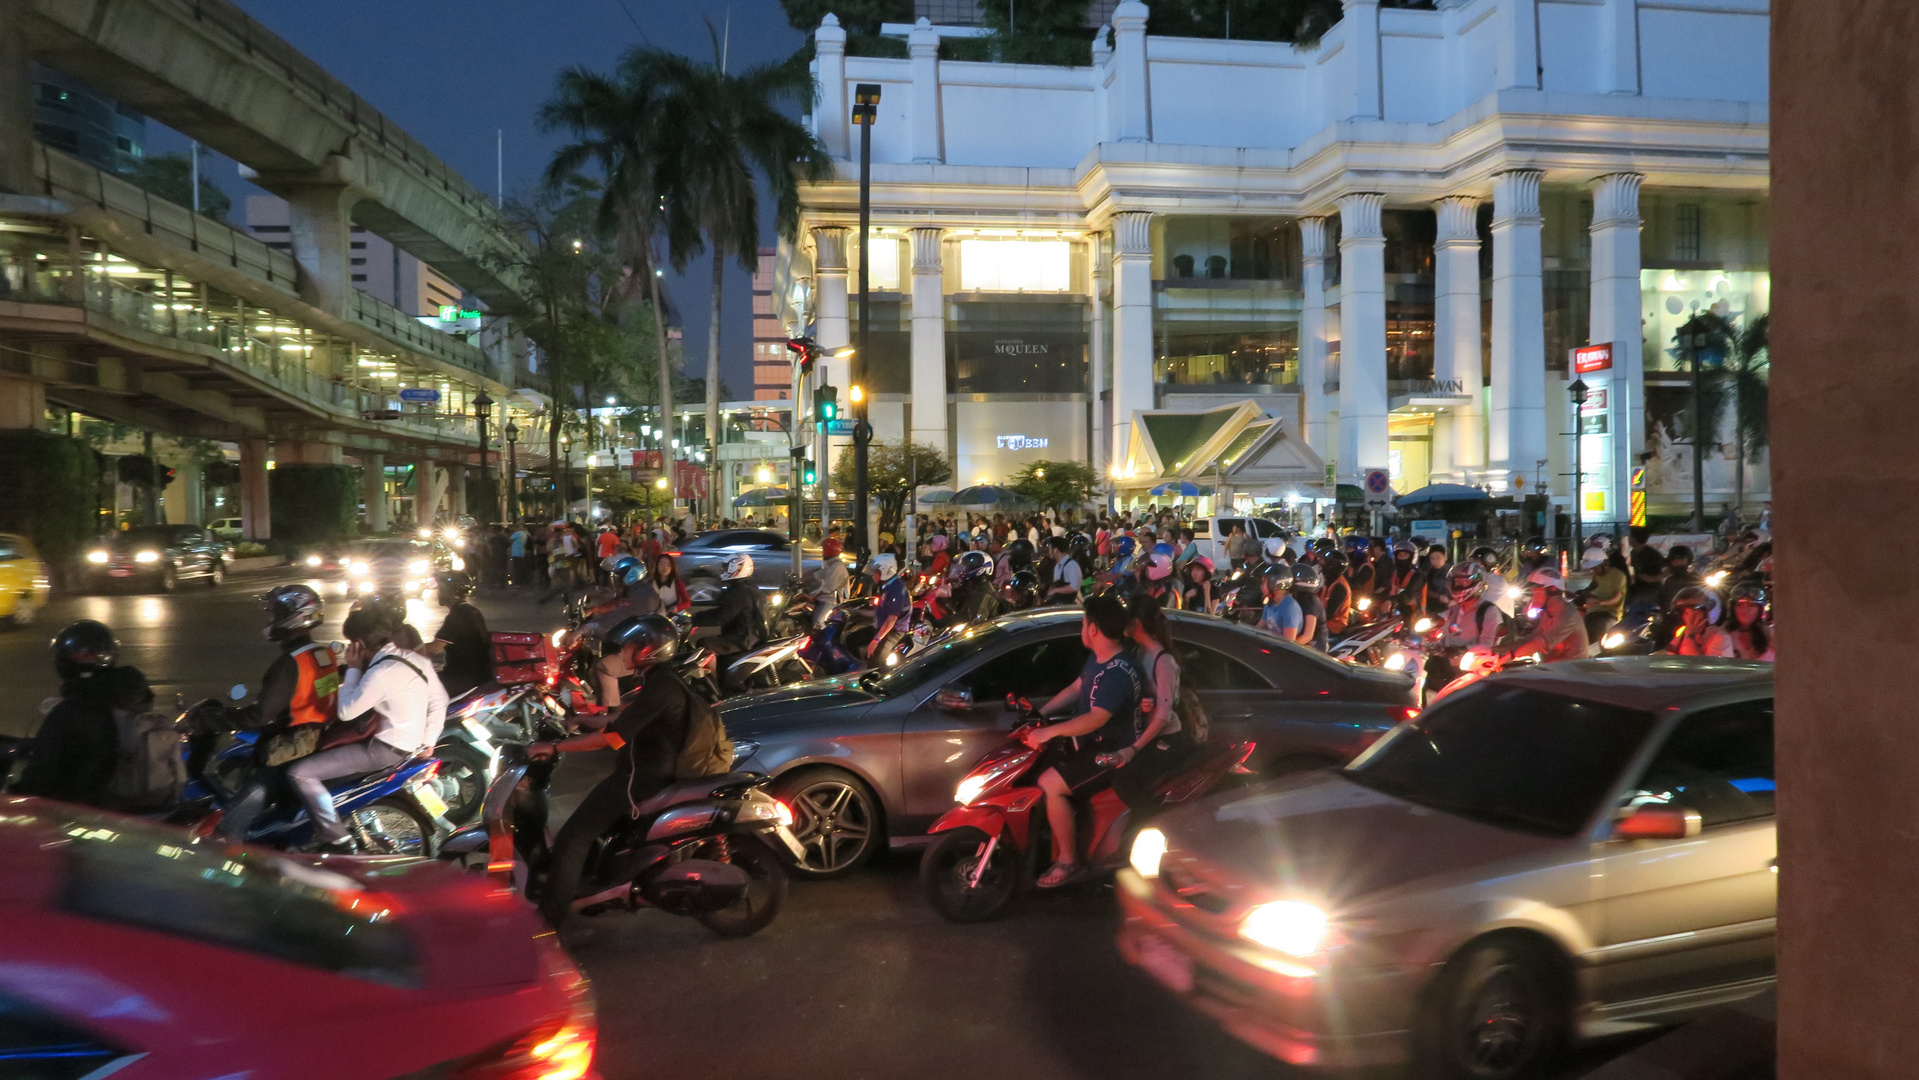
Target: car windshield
{"points": [[937, 661], [1518, 758], [260, 904], [392, 549]]}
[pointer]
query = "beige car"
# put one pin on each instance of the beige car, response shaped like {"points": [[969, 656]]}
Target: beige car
{"points": [[1570, 851]]}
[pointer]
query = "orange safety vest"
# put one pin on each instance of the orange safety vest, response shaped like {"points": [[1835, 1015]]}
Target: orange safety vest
{"points": [[314, 699]]}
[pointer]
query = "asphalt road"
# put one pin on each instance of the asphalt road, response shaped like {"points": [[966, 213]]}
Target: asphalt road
{"points": [[857, 978]]}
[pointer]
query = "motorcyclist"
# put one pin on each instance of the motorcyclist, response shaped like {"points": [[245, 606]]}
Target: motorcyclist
{"points": [[1605, 593], [76, 750], [740, 613], [1559, 629], [1679, 576], [637, 597], [974, 598], [1472, 622], [298, 695], [893, 608], [1398, 577], [1745, 623], [1281, 613], [1199, 585], [1022, 591], [1532, 555], [1697, 635], [830, 583], [1306, 584], [1337, 593], [1157, 578], [649, 733], [1427, 595], [399, 687]]}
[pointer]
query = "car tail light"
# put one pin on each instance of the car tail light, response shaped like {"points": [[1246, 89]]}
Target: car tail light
{"points": [[555, 1050], [1404, 713]]}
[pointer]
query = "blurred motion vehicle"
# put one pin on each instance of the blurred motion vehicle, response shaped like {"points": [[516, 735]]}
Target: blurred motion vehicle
{"points": [[23, 580], [229, 528], [702, 557], [1560, 852], [874, 757], [396, 568], [136, 950], [155, 557]]}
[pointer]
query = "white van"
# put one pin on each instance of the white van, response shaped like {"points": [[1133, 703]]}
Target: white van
{"points": [[1210, 535]]}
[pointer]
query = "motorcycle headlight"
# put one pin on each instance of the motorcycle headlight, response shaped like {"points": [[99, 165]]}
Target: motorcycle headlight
{"points": [[892, 659], [559, 636], [1289, 926], [1422, 626], [426, 534], [1396, 662], [146, 556], [969, 790], [1364, 603], [366, 586], [1612, 640], [458, 563], [775, 600], [358, 569], [313, 560], [96, 556], [417, 566], [1149, 847]]}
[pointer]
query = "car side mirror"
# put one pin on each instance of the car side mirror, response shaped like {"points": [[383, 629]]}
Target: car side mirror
{"points": [[1657, 823], [954, 698]]}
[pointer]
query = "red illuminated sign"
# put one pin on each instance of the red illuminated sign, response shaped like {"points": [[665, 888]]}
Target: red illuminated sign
{"points": [[1590, 358]]}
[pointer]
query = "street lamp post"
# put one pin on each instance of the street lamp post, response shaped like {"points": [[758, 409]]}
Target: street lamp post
{"points": [[1694, 341], [512, 471], [565, 486], [866, 102], [1579, 391], [483, 411]]}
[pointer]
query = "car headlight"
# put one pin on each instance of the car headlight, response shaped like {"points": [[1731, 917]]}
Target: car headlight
{"points": [[969, 790], [412, 585], [366, 586], [1612, 640], [96, 556], [146, 556], [743, 749], [1289, 926], [1149, 847], [358, 569], [313, 560], [458, 563], [426, 534], [417, 566], [452, 536]]}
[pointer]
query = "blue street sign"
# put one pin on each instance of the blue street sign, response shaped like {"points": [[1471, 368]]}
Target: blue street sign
{"points": [[419, 395]]}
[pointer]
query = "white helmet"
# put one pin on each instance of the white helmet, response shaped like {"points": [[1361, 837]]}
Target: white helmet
{"points": [[883, 566], [737, 566], [1592, 559], [1546, 577], [1275, 548]]}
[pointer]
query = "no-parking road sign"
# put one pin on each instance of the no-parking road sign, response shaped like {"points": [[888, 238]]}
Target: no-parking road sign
{"points": [[1378, 486]]}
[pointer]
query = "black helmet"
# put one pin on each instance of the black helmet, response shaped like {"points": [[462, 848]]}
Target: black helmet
{"points": [[1278, 575], [291, 609], [1679, 551], [1325, 546], [84, 646], [375, 621], [1023, 588], [973, 564], [1334, 563], [1020, 553], [656, 637], [1306, 576], [1534, 545]]}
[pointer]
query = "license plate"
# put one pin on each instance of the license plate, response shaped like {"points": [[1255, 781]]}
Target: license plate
{"points": [[120, 573], [1167, 964], [430, 800]]}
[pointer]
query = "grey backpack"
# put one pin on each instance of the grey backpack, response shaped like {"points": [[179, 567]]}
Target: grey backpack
{"points": [[150, 772]]}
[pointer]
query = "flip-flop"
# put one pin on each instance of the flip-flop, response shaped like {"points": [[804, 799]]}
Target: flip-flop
{"points": [[1068, 871]]}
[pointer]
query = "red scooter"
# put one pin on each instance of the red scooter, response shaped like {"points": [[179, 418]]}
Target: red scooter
{"points": [[988, 847]]}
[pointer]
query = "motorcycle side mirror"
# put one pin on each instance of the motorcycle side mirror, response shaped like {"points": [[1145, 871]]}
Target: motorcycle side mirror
{"points": [[237, 692], [954, 698]]}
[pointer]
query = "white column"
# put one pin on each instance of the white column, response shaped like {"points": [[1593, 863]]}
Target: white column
{"points": [[1362, 335], [1517, 63], [830, 117], [1457, 334], [928, 404], [1098, 456], [1615, 318], [1361, 21], [373, 490], [830, 327], [923, 45], [1131, 99], [1619, 47], [1516, 436], [1312, 333], [426, 498], [1132, 324]]}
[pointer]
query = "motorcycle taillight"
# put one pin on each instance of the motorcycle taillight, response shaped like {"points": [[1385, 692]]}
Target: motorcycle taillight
{"points": [[559, 1049]]}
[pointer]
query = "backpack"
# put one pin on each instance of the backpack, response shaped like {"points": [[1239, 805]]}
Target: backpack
{"points": [[150, 770], [707, 751], [1479, 618]]}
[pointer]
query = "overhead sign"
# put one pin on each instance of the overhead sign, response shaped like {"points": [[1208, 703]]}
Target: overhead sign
{"points": [[1590, 358], [451, 313], [419, 395], [1377, 485], [646, 466]]}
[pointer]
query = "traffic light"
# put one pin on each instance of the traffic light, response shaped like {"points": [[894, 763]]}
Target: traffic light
{"points": [[807, 350], [826, 405], [809, 474]]}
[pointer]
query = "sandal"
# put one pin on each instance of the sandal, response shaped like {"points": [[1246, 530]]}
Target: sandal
{"points": [[1056, 875]]}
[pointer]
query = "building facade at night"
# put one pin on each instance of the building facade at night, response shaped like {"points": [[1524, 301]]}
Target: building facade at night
{"points": [[1391, 241]]}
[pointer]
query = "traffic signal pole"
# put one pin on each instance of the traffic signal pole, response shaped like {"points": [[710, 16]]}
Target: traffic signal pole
{"points": [[866, 97]]}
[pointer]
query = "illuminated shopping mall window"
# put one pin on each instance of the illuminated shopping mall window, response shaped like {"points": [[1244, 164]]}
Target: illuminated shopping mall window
{"points": [[993, 264]]}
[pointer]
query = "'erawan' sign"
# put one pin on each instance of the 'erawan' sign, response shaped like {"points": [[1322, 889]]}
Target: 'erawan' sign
{"points": [[1435, 386], [1021, 442]]}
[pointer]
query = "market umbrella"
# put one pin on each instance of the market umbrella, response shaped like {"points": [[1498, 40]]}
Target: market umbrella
{"points": [[983, 495], [935, 496], [1184, 489], [1441, 493], [766, 496]]}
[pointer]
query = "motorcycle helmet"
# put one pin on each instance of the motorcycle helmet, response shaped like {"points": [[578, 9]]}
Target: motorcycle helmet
{"points": [[1159, 566], [973, 564], [1022, 590], [1201, 562], [82, 647], [1699, 598], [1467, 581], [737, 566], [937, 543], [883, 567], [1306, 576], [1124, 548], [656, 638], [1276, 549], [1404, 550], [1019, 553], [1751, 591], [1679, 553], [626, 570], [1485, 556], [1546, 578], [290, 609], [1277, 576], [1333, 564]]}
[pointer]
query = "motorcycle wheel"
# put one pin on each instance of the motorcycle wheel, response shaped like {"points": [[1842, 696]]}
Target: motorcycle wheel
{"points": [[947, 864], [397, 827], [764, 896], [461, 782]]}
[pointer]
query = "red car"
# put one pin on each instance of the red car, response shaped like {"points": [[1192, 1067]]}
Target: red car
{"points": [[131, 948]]}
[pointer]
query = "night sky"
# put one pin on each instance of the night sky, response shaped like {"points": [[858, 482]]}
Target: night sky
{"points": [[453, 74]]}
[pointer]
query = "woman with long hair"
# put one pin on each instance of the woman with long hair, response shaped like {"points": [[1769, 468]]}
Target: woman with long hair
{"points": [[1745, 622], [1162, 742], [666, 582]]}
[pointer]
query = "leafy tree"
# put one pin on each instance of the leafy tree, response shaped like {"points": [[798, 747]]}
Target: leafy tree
{"points": [[1735, 369], [170, 176], [861, 19], [891, 474], [1056, 485]]}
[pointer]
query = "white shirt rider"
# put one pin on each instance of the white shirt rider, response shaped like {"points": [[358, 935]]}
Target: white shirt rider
{"points": [[401, 687]]}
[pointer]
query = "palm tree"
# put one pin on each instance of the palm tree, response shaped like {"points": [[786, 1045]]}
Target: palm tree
{"points": [[1745, 382], [716, 131]]}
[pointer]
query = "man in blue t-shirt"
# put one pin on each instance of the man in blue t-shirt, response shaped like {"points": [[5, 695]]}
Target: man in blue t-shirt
{"points": [[1281, 614], [1107, 692], [892, 614]]}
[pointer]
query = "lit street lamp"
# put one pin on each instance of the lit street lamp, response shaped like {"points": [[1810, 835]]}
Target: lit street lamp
{"points": [[512, 471], [565, 486]]}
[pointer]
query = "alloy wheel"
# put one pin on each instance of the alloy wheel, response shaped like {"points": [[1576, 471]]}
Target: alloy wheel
{"points": [[1502, 1022], [834, 825]]}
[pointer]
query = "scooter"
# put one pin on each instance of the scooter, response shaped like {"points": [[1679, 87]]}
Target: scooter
{"points": [[987, 847], [712, 849]]}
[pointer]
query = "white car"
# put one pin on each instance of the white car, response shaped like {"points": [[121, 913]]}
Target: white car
{"points": [[225, 528]]}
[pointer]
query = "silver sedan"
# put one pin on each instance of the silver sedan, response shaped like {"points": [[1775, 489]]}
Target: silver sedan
{"points": [[704, 555], [1572, 851]]}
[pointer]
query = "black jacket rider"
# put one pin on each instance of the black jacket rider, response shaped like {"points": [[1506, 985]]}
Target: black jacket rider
{"points": [[77, 748]]}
